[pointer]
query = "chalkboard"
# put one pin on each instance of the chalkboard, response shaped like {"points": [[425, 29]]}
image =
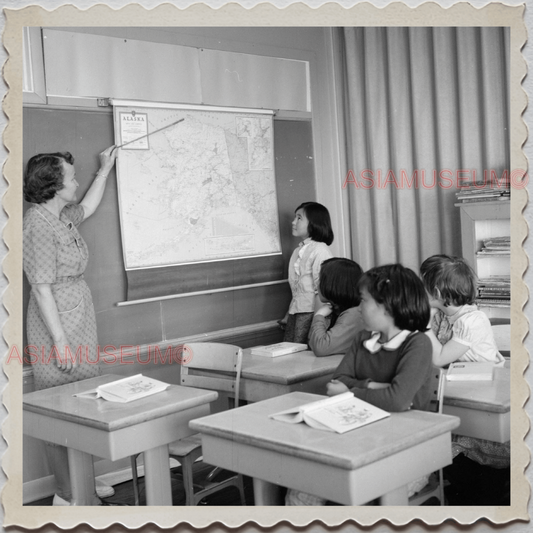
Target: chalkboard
{"points": [[85, 133]]}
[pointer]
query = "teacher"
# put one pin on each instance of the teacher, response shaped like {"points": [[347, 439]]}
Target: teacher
{"points": [[61, 323]]}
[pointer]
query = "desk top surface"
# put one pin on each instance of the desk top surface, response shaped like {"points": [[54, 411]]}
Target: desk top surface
{"points": [[59, 403], [493, 396], [288, 369], [251, 425]]}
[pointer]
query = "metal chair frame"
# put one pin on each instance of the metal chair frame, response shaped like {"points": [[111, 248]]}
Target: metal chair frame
{"points": [[213, 366]]}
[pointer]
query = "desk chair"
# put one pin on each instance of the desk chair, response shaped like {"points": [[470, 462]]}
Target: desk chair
{"points": [[435, 486], [216, 367], [501, 328]]}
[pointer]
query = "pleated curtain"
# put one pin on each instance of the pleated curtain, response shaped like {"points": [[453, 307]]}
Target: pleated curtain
{"points": [[424, 110]]}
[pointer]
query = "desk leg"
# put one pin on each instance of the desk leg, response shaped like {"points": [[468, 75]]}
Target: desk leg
{"points": [[157, 476], [81, 477], [266, 493], [395, 497]]}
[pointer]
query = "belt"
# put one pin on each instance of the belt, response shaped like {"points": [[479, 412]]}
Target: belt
{"points": [[68, 279]]}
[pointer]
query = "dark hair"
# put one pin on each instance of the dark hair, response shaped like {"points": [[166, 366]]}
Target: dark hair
{"points": [[453, 277], [338, 282], [44, 176], [401, 292], [319, 227]]}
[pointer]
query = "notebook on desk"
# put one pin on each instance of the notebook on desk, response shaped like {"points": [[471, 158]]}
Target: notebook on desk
{"points": [[470, 371], [278, 349]]}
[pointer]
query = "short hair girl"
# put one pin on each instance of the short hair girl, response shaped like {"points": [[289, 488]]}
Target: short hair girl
{"points": [[388, 364], [451, 286], [337, 322]]}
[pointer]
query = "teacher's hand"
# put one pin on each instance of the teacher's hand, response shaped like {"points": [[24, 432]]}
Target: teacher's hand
{"points": [[107, 159], [65, 358]]}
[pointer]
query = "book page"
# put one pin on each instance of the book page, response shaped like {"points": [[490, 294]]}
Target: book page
{"points": [[132, 388], [346, 415]]}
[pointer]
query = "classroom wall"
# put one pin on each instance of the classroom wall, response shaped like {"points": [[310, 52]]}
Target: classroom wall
{"points": [[85, 133], [306, 158], [299, 152]]}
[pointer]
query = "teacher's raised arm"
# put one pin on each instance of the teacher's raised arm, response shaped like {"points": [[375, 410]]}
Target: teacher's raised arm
{"points": [[93, 196]]}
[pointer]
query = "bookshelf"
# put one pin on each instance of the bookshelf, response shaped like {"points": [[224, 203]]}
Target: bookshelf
{"points": [[482, 222]]}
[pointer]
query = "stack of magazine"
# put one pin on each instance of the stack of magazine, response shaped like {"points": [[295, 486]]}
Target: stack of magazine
{"points": [[496, 246], [494, 292], [482, 192]]}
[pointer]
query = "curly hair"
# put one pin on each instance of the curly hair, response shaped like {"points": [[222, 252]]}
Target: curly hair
{"points": [[319, 227], [401, 292], [44, 176], [452, 276]]}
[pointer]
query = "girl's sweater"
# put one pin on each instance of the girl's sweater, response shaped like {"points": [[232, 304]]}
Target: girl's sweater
{"points": [[404, 362], [339, 338]]}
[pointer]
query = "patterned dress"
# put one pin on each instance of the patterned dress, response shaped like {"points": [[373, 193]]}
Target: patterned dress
{"points": [[56, 254]]}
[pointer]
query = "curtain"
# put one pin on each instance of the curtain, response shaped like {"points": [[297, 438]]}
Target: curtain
{"points": [[424, 110]]}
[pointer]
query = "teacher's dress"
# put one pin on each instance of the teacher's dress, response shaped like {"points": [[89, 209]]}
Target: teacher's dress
{"points": [[56, 254]]}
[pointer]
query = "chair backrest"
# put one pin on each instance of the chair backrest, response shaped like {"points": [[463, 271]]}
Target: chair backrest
{"points": [[212, 365], [438, 378], [501, 329]]}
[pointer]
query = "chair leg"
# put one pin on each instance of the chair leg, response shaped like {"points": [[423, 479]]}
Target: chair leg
{"points": [[187, 470], [213, 473], [441, 487], [133, 460], [240, 486]]}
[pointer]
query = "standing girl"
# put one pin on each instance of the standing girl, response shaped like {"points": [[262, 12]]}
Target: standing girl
{"points": [[311, 224], [338, 320]]}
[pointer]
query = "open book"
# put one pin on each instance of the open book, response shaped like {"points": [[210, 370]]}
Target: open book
{"points": [[126, 389], [340, 413]]}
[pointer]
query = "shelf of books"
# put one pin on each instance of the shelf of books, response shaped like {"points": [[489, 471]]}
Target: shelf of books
{"points": [[486, 245]]}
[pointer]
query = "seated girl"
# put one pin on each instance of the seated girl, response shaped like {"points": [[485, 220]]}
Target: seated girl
{"points": [[451, 286], [338, 321], [388, 364], [459, 328]]}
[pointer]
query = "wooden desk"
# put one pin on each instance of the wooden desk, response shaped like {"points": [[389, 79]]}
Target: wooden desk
{"points": [[268, 377], [377, 460], [484, 407], [112, 430]]}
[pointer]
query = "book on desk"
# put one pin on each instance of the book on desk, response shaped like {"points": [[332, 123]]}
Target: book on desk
{"points": [[280, 348], [340, 413], [470, 371], [126, 389]]}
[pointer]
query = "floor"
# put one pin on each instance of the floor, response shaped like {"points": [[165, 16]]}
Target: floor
{"points": [[124, 491], [468, 484], [473, 484]]}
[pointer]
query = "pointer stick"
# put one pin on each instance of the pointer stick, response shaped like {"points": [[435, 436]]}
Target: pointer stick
{"points": [[152, 132]]}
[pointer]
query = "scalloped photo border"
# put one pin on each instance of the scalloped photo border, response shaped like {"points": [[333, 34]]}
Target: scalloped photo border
{"points": [[396, 14]]}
